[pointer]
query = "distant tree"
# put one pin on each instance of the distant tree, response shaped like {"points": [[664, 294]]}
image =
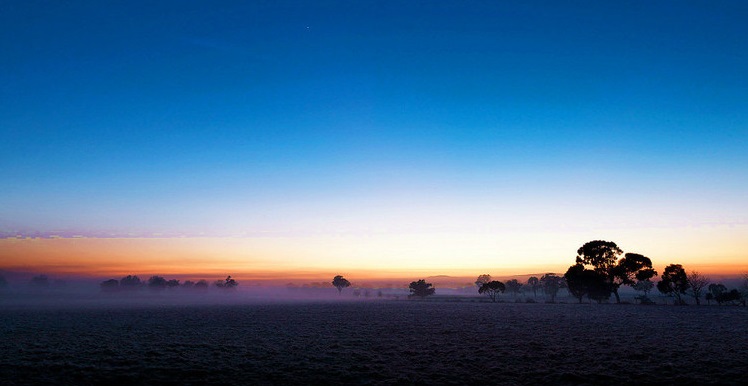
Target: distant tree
{"points": [[173, 283], [156, 283], [645, 286], [201, 285], [697, 282], [586, 282], [482, 279], [674, 282], [188, 284], [709, 297], [130, 282], [340, 282], [492, 289], [421, 289], [534, 284], [514, 287], [227, 283], [551, 283], [731, 297], [744, 289], [714, 290], [231, 283], [41, 281], [111, 285]]}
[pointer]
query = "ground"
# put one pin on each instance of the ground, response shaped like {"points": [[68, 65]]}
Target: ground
{"points": [[376, 342]]}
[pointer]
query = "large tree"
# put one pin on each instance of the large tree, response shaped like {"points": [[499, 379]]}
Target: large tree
{"points": [[492, 289], [421, 289], [631, 268], [340, 282], [697, 282], [674, 282], [603, 257], [583, 282]]}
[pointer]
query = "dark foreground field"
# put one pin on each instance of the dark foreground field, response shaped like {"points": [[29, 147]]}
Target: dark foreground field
{"points": [[384, 342]]}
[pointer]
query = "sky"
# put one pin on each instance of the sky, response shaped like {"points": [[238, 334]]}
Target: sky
{"points": [[371, 138]]}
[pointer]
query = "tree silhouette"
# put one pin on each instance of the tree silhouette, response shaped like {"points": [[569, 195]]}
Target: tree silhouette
{"points": [[586, 282], [482, 279], [534, 284], [674, 282], [130, 282], [714, 290], [111, 285], [628, 270], [551, 283], [227, 283], [514, 287], [492, 289], [188, 284], [156, 283], [201, 285], [173, 283], [697, 282], [340, 282], [733, 296], [603, 257], [421, 289], [645, 286]]}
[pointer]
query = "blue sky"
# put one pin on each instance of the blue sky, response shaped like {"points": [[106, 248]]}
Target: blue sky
{"points": [[335, 117]]}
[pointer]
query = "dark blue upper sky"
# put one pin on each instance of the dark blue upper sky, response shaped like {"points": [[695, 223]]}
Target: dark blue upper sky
{"points": [[152, 115]]}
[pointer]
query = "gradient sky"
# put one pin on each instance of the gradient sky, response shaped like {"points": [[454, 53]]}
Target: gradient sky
{"points": [[440, 137]]}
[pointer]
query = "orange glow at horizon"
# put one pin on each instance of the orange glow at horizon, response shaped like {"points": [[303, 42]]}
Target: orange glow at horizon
{"points": [[358, 257]]}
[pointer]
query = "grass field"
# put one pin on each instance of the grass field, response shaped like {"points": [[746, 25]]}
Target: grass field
{"points": [[376, 342]]}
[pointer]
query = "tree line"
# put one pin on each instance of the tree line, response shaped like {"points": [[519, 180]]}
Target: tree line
{"points": [[599, 272], [158, 283]]}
